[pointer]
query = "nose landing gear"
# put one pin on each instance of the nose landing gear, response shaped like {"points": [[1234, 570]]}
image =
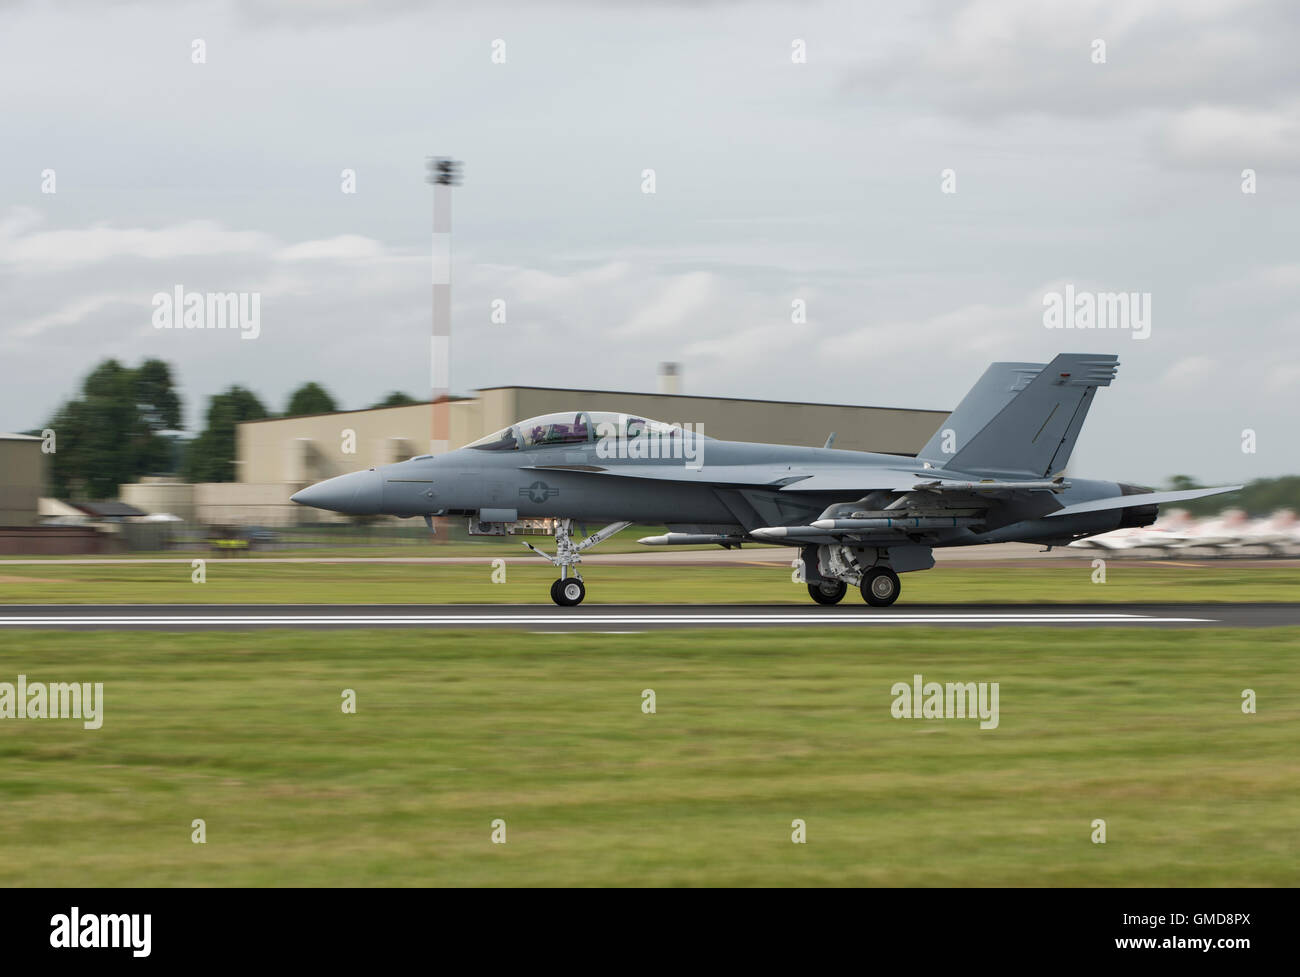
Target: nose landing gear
{"points": [[568, 593], [569, 590]]}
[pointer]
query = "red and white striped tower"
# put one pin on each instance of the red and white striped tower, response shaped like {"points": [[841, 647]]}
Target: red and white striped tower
{"points": [[444, 173]]}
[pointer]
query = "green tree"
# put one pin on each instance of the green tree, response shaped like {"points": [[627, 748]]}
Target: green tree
{"points": [[111, 434], [310, 398], [160, 410], [396, 399], [211, 456]]}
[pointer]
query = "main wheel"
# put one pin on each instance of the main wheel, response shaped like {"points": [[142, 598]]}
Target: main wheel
{"points": [[568, 593], [880, 586], [828, 591]]}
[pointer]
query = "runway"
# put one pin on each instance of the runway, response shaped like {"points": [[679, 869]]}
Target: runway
{"points": [[632, 617]]}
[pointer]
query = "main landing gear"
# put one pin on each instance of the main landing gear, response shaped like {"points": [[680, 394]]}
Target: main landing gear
{"points": [[838, 570], [569, 590], [880, 586], [828, 591]]}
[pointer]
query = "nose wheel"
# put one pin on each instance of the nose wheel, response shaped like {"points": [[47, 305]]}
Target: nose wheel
{"points": [[569, 590], [568, 593]]}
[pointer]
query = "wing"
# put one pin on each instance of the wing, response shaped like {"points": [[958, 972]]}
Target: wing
{"points": [[843, 480]]}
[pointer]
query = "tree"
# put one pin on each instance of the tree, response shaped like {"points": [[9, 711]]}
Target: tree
{"points": [[310, 398], [211, 456], [396, 399], [112, 433], [160, 410]]}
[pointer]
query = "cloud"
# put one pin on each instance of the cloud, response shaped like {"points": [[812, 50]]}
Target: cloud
{"points": [[989, 59], [1190, 373], [678, 304], [69, 314], [26, 249], [1218, 135], [344, 247]]}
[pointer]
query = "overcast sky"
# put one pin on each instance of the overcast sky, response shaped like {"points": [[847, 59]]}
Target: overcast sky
{"points": [[775, 181]]}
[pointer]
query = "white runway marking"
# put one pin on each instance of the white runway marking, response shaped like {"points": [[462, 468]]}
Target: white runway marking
{"points": [[579, 619]]}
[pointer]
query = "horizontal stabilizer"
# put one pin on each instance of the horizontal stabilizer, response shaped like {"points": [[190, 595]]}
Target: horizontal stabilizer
{"points": [[1141, 499]]}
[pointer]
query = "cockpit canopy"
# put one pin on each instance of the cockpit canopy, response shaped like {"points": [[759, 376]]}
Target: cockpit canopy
{"points": [[572, 428]]}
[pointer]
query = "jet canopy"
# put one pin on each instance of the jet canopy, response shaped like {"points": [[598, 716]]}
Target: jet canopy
{"points": [[571, 428]]}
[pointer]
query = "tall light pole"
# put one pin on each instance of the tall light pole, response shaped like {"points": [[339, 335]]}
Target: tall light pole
{"points": [[443, 173]]}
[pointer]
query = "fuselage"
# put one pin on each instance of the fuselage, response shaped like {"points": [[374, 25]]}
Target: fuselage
{"points": [[709, 485]]}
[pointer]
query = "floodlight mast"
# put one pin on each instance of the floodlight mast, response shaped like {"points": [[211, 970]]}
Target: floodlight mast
{"points": [[444, 173]]}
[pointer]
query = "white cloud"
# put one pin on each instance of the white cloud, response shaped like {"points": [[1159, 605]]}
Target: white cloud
{"points": [[1190, 373], [678, 304], [992, 58], [68, 314], [344, 247], [1234, 137], [29, 250]]}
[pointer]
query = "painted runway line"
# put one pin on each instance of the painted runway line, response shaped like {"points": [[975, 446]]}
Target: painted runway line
{"points": [[555, 619], [632, 617]]}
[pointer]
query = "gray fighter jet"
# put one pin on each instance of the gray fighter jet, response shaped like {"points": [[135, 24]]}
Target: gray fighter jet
{"points": [[990, 474]]}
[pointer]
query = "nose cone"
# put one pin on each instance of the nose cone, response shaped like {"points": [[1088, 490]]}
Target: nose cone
{"points": [[356, 494]]}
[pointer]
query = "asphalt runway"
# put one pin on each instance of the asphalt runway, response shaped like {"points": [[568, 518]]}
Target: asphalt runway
{"points": [[631, 617]]}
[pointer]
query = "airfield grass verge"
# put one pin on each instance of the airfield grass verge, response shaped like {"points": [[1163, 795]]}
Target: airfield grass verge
{"points": [[753, 729], [527, 580]]}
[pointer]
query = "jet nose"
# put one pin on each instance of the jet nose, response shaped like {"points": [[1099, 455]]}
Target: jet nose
{"points": [[356, 494]]}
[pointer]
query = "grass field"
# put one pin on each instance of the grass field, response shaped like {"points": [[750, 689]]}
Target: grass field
{"points": [[410, 543], [1141, 728], [528, 579]]}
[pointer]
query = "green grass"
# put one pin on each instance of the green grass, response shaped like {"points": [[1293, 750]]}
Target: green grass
{"points": [[753, 729], [412, 543], [768, 581]]}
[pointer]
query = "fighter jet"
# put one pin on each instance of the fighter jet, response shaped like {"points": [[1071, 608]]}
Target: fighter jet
{"points": [[992, 473]]}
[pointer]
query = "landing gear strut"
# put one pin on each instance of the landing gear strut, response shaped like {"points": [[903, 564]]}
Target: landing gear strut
{"points": [[569, 590]]}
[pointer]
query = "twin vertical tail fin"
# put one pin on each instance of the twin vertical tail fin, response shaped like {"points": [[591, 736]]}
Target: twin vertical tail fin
{"points": [[1021, 419]]}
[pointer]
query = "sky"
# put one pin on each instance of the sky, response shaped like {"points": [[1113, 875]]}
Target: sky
{"points": [[800, 153]]}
